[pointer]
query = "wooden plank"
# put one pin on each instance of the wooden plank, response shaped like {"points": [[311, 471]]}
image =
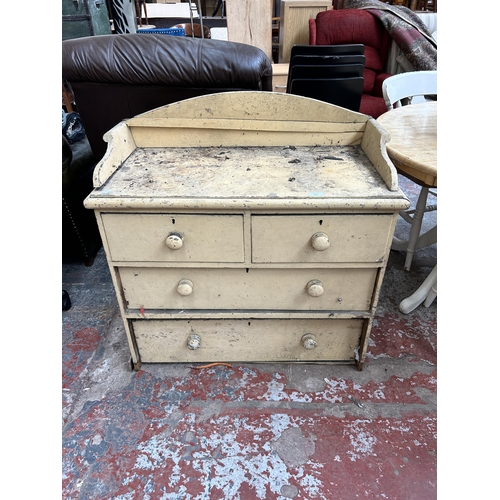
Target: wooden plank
{"points": [[249, 21], [255, 105], [248, 125], [294, 23], [248, 119]]}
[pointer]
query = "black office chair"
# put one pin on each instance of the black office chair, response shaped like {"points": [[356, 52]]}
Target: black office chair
{"points": [[331, 77]]}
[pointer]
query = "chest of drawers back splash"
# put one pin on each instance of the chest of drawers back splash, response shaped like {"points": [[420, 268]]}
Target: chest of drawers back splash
{"points": [[227, 244]]}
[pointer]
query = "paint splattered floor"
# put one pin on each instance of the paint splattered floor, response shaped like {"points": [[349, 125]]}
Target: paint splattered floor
{"points": [[254, 431]]}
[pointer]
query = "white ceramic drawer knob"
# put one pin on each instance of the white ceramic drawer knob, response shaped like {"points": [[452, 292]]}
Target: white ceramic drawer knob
{"points": [[315, 288], [193, 341], [174, 240], [185, 287], [320, 241], [309, 341]]}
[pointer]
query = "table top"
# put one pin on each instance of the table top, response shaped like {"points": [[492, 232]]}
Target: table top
{"points": [[413, 144]]}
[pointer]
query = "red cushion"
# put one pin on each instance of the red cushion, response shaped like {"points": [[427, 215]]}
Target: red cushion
{"points": [[369, 75], [379, 79], [348, 26], [372, 106], [372, 58]]}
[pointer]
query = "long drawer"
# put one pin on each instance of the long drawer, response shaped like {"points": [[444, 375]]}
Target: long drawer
{"points": [[349, 238], [297, 289], [201, 238], [247, 340]]}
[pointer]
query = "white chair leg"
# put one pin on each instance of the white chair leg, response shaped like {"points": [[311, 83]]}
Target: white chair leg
{"points": [[427, 292], [415, 226], [424, 240], [431, 295]]}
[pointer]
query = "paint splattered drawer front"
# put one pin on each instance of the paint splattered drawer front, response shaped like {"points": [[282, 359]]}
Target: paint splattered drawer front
{"points": [[247, 340], [174, 237], [320, 238], [269, 289]]}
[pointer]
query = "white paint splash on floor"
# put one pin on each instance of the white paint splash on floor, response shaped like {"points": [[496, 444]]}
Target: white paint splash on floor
{"points": [[224, 460]]}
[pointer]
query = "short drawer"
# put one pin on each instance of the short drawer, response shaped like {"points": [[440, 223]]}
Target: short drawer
{"points": [[163, 341], [194, 238], [268, 289], [340, 238]]}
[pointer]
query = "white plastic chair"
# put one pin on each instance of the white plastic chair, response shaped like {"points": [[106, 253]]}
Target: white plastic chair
{"points": [[398, 90], [409, 88]]}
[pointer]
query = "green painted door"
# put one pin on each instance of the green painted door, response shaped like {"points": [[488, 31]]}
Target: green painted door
{"points": [[84, 18]]}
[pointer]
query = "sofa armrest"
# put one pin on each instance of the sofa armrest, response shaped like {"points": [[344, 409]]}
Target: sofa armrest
{"points": [[312, 31]]}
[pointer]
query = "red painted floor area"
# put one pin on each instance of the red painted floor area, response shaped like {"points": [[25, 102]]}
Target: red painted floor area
{"points": [[254, 431]]}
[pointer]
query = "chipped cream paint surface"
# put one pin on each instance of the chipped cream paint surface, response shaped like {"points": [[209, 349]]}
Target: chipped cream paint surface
{"points": [[243, 182], [248, 119], [239, 172]]}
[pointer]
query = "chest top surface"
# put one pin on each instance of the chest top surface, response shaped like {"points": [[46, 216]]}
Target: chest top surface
{"points": [[247, 173]]}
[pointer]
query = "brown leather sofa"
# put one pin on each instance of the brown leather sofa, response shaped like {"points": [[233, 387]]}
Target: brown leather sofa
{"points": [[114, 77]]}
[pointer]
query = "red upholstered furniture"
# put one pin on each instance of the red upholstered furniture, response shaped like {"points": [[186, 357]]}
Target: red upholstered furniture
{"points": [[334, 27]]}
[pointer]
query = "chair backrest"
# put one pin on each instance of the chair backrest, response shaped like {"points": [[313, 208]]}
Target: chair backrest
{"points": [[409, 88]]}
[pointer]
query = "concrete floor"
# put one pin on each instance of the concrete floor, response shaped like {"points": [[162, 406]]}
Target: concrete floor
{"points": [[254, 431]]}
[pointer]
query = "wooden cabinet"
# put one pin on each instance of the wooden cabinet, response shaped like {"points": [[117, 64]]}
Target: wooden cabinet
{"points": [[280, 77], [294, 23], [247, 227]]}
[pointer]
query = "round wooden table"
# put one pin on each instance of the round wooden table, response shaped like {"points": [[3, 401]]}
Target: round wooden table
{"points": [[413, 144], [413, 150]]}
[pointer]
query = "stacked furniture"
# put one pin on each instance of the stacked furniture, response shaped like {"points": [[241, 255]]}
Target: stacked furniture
{"points": [[330, 73]]}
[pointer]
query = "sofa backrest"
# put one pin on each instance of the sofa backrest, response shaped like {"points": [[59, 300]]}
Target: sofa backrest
{"points": [[115, 77]]}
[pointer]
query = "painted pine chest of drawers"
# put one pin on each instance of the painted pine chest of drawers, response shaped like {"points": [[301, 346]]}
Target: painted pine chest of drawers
{"points": [[247, 227]]}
